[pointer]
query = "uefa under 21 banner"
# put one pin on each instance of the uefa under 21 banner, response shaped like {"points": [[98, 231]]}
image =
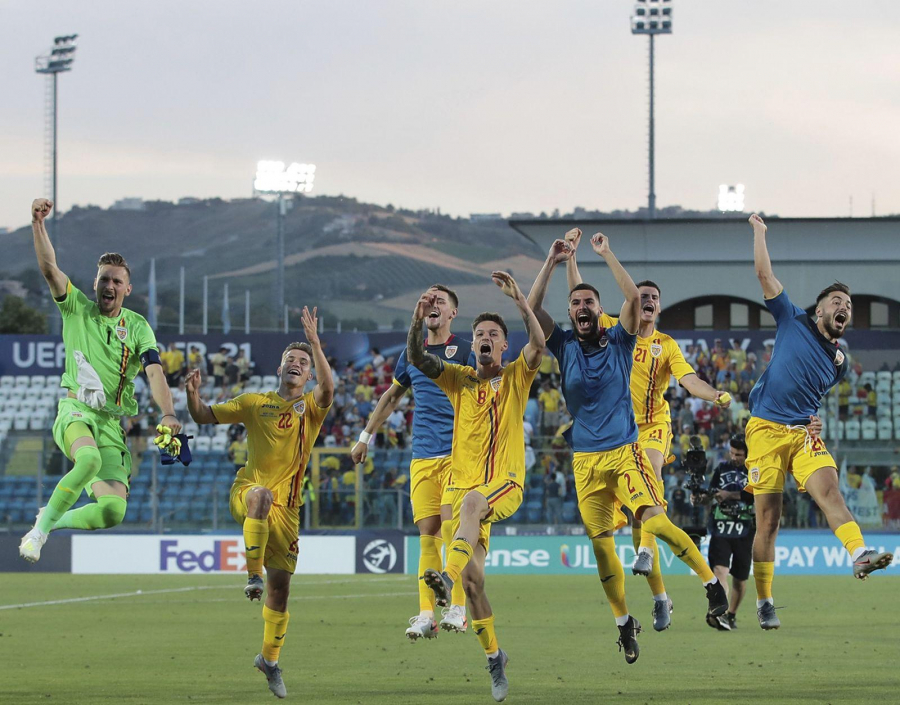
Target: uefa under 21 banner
{"points": [[796, 553], [45, 355]]}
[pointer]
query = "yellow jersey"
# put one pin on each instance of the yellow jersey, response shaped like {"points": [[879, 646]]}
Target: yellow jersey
{"points": [[488, 429], [655, 359], [280, 436]]}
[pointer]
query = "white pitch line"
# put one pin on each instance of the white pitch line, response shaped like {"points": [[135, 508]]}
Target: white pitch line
{"points": [[141, 593], [292, 598]]}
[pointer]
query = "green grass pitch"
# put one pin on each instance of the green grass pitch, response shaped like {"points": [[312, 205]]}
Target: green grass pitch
{"points": [[838, 643]]}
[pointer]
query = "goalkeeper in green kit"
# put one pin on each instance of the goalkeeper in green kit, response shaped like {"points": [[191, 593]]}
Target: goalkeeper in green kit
{"points": [[106, 345]]}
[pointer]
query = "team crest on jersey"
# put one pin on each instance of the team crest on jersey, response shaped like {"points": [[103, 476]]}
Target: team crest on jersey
{"points": [[839, 358], [655, 349], [754, 475], [121, 333], [495, 383], [450, 350], [300, 407]]}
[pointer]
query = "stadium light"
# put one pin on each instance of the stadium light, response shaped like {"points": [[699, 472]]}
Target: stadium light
{"points": [[59, 60], [273, 178], [731, 198], [652, 17]]}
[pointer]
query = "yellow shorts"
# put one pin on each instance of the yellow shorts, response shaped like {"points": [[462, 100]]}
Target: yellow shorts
{"points": [[658, 437], [608, 479], [774, 449], [503, 496], [428, 478], [284, 529]]}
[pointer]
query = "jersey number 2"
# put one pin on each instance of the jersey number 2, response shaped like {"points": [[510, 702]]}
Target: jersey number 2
{"points": [[286, 420]]}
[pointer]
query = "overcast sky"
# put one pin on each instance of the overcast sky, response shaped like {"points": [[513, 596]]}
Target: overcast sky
{"points": [[470, 106]]}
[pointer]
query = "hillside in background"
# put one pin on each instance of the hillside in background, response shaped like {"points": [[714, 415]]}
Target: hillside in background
{"points": [[361, 264]]}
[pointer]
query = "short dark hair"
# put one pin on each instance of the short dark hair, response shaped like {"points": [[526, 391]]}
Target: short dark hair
{"points": [[837, 286], [114, 259], [305, 347], [447, 290], [584, 287], [647, 282], [495, 317], [738, 442]]}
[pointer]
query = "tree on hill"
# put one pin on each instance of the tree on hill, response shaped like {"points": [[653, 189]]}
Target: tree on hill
{"points": [[18, 317]]}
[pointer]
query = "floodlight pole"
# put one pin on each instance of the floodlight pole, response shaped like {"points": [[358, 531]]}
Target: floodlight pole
{"points": [[651, 200], [279, 283]]}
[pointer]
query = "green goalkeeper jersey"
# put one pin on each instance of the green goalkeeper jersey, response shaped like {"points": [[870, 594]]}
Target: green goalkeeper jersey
{"points": [[112, 346]]}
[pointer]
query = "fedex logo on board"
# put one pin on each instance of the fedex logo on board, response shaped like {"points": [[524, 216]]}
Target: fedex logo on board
{"points": [[226, 555]]}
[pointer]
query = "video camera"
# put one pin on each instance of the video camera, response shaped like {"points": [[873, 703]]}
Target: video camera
{"points": [[695, 463]]}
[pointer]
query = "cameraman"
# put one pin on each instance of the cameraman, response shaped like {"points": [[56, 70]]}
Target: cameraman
{"points": [[731, 528]]}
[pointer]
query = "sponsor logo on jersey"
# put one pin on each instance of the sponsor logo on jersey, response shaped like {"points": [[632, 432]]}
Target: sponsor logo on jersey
{"points": [[754, 475], [839, 358], [269, 406], [121, 333], [450, 350], [76, 414], [300, 407], [655, 349], [495, 383]]}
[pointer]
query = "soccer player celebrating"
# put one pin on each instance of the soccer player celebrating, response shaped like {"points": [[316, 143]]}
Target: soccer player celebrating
{"points": [[106, 345], [282, 427], [806, 363], [488, 457], [656, 358], [609, 464], [431, 446]]}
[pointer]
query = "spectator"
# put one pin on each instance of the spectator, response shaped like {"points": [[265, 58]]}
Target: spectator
{"points": [[737, 354], [173, 364], [219, 360], [377, 358], [871, 400], [746, 375], [705, 417], [237, 451], [554, 491], [243, 365], [550, 401], [232, 374], [720, 358], [844, 391], [195, 360], [179, 402]]}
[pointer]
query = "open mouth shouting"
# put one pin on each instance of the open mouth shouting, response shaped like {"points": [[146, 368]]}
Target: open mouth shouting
{"points": [[585, 321], [485, 349], [294, 370], [648, 309], [108, 297], [434, 318], [840, 320]]}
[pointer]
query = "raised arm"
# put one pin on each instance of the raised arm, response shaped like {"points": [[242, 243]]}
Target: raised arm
{"points": [[46, 256], [560, 251], [383, 409], [770, 285], [162, 395], [534, 349], [630, 317], [696, 387], [573, 276], [324, 389], [429, 364], [198, 409]]}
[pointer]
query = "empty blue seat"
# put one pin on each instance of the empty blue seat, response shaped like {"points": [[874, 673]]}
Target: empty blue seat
{"points": [[533, 512], [569, 512]]}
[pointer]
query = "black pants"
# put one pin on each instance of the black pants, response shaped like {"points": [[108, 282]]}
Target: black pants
{"points": [[735, 554]]}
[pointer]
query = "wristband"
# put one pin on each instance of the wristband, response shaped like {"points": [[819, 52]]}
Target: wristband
{"points": [[365, 437]]}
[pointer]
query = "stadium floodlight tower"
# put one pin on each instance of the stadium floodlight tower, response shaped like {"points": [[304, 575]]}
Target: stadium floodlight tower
{"points": [[274, 177], [731, 198], [652, 17], [57, 61]]}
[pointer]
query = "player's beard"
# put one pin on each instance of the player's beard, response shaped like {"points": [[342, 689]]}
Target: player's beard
{"points": [[828, 325], [434, 323], [592, 333], [107, 306]]}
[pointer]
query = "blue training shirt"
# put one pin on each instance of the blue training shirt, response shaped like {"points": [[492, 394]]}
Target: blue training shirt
{"points": [[433, 415], [804, 366], [596, 383]]}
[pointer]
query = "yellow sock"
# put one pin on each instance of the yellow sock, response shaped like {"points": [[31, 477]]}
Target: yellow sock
{"points": [[850, 535], [644, 539], [458, 595], [429, 557], [612, 575], [458, 558], [487, 637], [680, 543], [763, 573], [256, 534], [273, 633]]}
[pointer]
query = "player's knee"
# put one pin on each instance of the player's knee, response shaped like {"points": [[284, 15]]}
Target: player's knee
{"points": [[112, 511], [473, 503], [259, 501], [89, 459]]}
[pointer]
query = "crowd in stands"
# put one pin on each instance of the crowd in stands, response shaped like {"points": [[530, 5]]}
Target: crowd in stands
{"points": [[550, 495]]}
